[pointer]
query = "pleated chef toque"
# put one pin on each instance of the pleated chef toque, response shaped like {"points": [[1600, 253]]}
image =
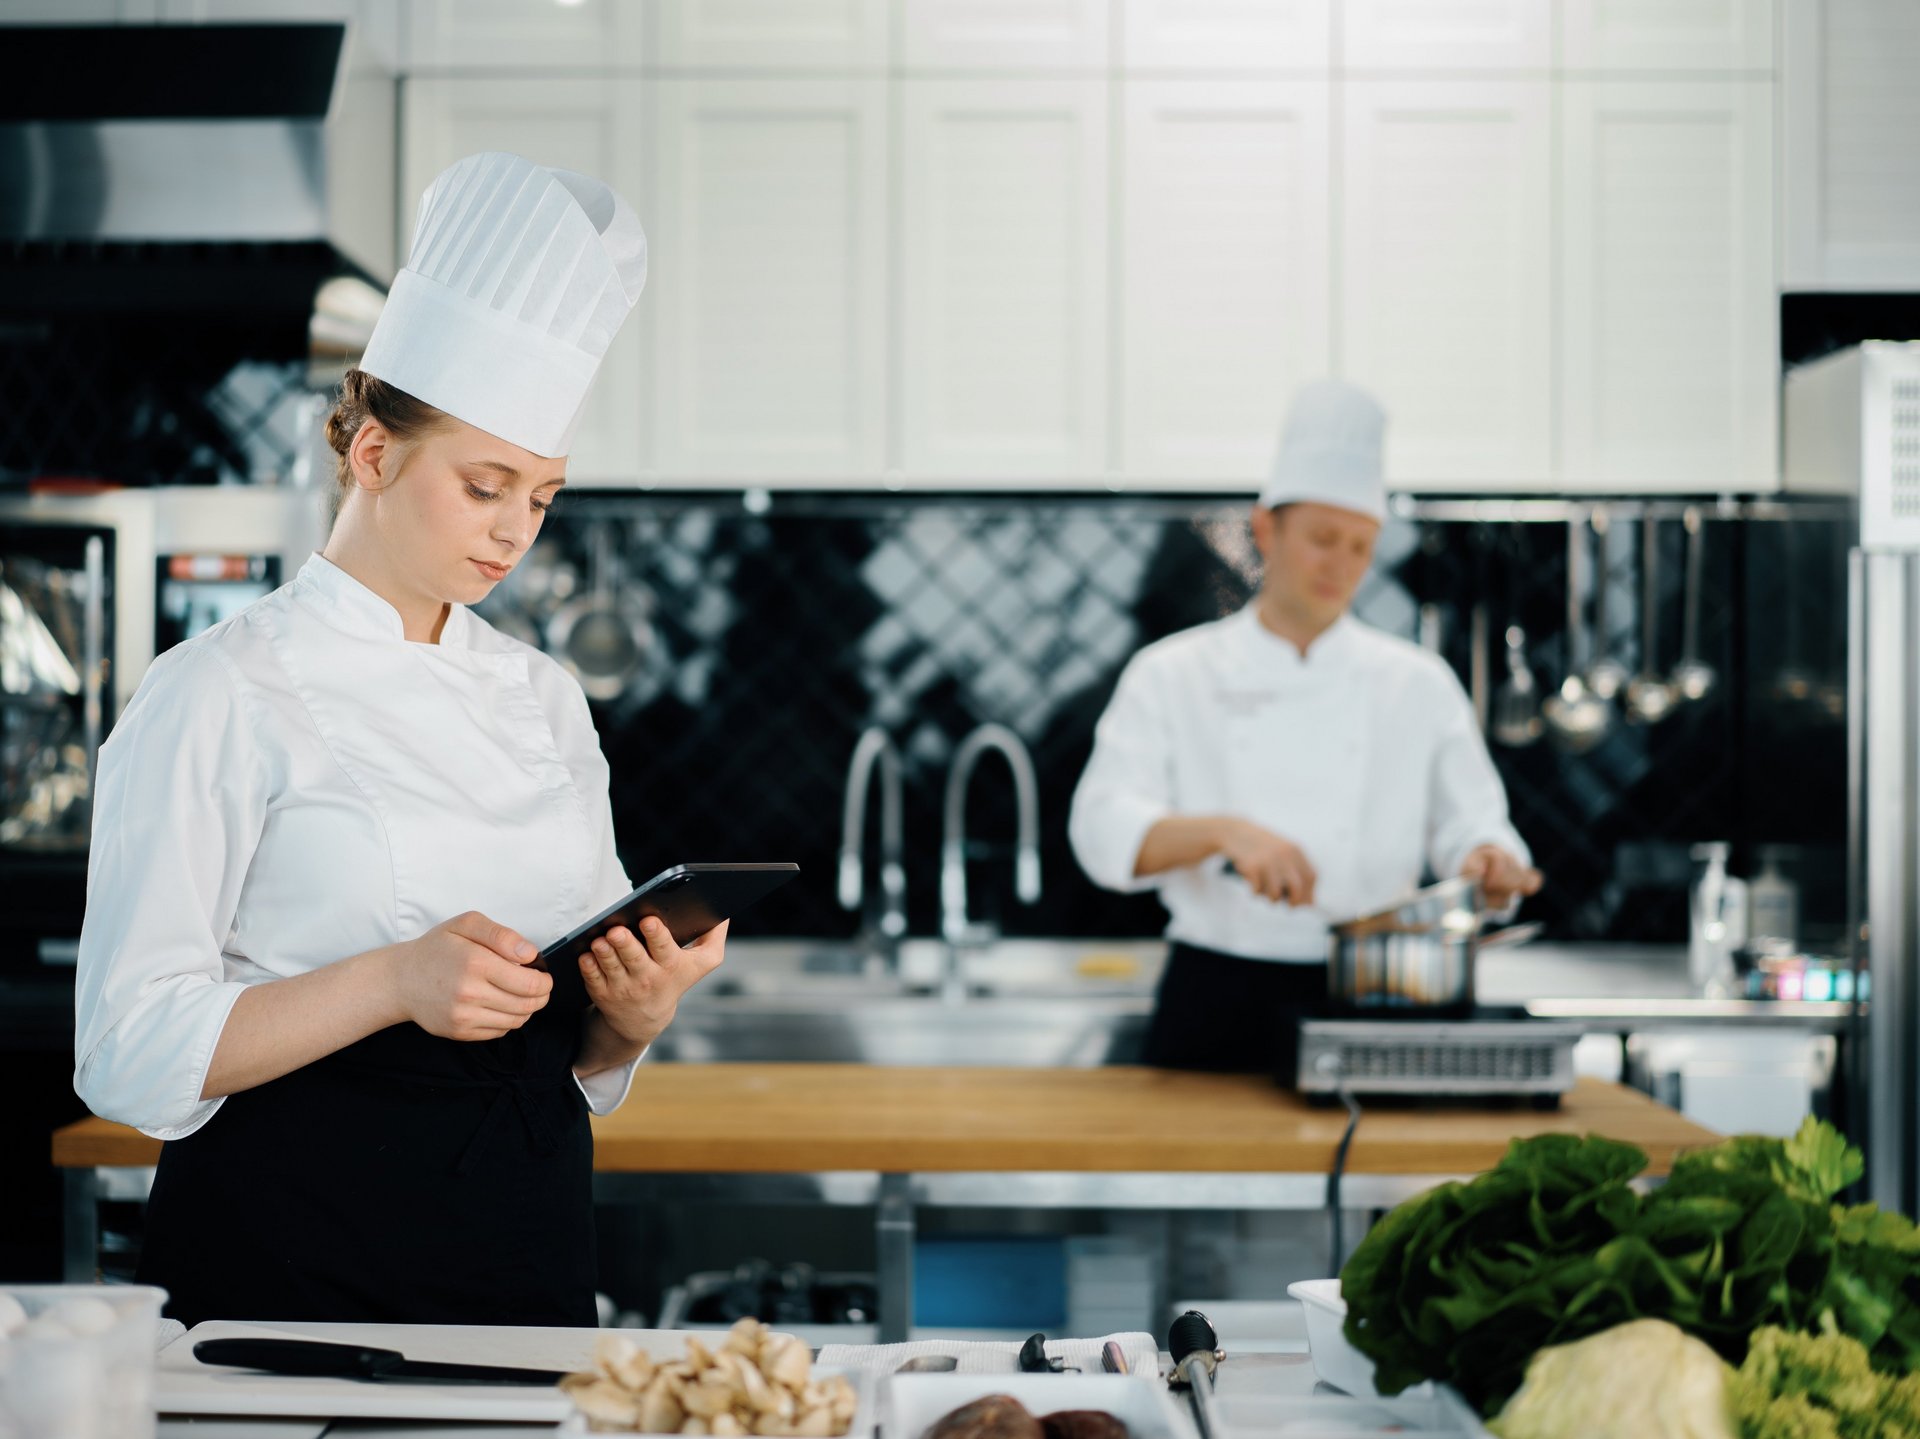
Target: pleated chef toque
{"points": [[1330, 451], [517, 282]]}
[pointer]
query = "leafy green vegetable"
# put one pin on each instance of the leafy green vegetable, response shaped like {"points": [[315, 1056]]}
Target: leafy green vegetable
{"points": [[1467, 1282]]}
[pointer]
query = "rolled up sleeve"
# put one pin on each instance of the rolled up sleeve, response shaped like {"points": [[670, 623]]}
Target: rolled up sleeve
{"points": [[1468, 802], [1128, 785], [180, 801]]}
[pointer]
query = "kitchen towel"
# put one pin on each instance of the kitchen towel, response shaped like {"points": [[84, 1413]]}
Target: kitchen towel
{"points": [[994, 1357]]}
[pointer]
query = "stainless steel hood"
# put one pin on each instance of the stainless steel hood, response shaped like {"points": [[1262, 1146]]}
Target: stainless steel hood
{"points": [[195, 168]]}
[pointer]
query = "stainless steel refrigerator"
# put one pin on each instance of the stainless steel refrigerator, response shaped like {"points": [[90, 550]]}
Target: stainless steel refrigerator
{"points": [[1852, 427]]}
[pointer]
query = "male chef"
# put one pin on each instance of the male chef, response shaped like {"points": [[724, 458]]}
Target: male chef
{"points": [[1288, 767]]}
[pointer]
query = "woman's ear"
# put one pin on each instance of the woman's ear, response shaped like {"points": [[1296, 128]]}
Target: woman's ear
{"points": [[371, 456]]}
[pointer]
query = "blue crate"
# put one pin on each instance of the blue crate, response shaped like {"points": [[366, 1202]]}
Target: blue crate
{"points": [[990, 1282]]}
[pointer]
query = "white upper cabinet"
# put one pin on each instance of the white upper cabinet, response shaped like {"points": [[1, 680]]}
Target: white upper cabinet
{"points": [[770, 278], [593, 126], [1669, 345], [1446, 281], [1225, 292], [1851, 212], [1235, 35], [590, 35], [1004, 279], [788, 35], [1441, 35], [1630, 35], [1004, 34]]}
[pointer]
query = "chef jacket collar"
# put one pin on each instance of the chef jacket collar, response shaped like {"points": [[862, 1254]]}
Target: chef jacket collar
{"points": [[1336, 648], [350, 606]]}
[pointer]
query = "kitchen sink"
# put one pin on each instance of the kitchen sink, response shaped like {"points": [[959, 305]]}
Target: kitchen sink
{"points": [[1041, 1003]]}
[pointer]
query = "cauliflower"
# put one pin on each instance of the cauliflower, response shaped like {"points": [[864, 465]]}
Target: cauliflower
{"points": [[1641, 1380], [1820, 1386]]}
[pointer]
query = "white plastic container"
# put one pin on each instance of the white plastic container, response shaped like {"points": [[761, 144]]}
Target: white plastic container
{"points": [[913, 1402], [1335, 1360], [82, 1365]]}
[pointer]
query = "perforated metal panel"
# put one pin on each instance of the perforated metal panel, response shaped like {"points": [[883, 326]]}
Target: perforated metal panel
{"points": [[1398, 1057]]}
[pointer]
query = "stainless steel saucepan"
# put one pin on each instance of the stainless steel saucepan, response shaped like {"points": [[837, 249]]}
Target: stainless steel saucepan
{"points": [[1417, 956]]}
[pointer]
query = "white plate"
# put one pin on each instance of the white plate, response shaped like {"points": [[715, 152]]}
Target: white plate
{"points": [[914, 1402]]}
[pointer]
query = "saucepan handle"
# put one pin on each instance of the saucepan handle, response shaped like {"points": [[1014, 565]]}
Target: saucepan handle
{"points": [[1509, 937]]}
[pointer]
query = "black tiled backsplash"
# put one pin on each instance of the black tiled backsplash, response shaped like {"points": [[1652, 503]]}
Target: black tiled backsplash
{"points": [[771, 638]]}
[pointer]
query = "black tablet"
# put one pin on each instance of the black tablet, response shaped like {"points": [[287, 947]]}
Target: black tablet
{"points": [[689, 898]]}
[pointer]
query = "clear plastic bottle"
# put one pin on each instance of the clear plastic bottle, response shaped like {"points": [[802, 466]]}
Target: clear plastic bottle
{"points": [[1773, 907], [1717, 921]]}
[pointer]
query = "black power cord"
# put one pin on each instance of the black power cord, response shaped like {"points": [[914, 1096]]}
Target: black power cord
{"points": [[1333, 1178]]}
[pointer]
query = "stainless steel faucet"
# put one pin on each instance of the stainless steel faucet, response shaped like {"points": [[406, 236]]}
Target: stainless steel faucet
{"points": [[955, 927], [872, 749]]}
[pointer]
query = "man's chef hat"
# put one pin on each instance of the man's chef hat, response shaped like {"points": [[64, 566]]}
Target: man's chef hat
{"points": [[518, 279], [1330, 451]]}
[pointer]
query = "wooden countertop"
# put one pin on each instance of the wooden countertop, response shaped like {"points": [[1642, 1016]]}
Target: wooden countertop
{"points": [[809, 1118]]}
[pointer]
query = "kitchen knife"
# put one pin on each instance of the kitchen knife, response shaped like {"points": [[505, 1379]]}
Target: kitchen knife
{"points": [[316, 1358]]}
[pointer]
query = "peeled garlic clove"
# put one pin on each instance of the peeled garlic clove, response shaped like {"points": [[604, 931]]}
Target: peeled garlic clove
{"points": [[694, 1426], [842, 1400], [726, 1425], [789, 1365], [699, 1357], [612, 1351], [744, 1338], [815, 1424], [705, 1400], [660, 1409], [603, 1401], [759, 1393], [770, 1424]]}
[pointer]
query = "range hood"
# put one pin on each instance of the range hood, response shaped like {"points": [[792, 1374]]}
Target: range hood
{"points": [[209, 170]]}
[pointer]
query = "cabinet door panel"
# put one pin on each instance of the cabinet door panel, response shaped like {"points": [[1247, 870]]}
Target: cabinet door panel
{"points": [[1225, 294], [1445, 275], [789, 35], [1227, 34], [1004, 279], [1669, 345], [1446, 34], [1627, 35], [1004, 34], [508, 35], [771, 317]]}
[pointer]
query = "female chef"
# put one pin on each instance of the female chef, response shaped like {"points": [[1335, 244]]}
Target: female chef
{"points": [[330, 832], [1288, 765]]}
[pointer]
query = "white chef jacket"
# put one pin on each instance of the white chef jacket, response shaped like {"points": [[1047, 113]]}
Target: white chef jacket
{"points": [[1364, 753], [301, 783]]}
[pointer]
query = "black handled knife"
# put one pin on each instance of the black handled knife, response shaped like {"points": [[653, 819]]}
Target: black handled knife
{"points": [[316, 1358]]}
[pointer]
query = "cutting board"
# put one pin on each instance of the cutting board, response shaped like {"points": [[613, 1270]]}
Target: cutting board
{"points": [[183, 1385]]}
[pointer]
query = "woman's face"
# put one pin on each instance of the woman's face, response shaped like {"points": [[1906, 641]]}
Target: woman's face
{"points": [[461, 512]]}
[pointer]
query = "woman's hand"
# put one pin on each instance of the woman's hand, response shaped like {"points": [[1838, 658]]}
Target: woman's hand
{"points": [[468, 979], [637, 986]]}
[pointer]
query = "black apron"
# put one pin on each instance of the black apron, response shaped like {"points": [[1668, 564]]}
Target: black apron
{"points": [[404, 1179], [1220, 1012]]}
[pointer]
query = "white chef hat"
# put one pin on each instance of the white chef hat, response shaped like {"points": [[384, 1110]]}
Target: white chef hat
{"points": [[518, 280], [1330, 451]]}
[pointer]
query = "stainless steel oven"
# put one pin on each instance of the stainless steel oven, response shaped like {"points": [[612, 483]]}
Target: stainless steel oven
{"points": [[92, 587]]}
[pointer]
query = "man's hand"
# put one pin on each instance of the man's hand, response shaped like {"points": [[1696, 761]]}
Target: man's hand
{"points": [[637, 986], [1503, 879], [1276, 868]]}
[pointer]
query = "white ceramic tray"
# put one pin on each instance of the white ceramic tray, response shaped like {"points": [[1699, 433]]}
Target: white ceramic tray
{"points": [[914, 1401]]}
